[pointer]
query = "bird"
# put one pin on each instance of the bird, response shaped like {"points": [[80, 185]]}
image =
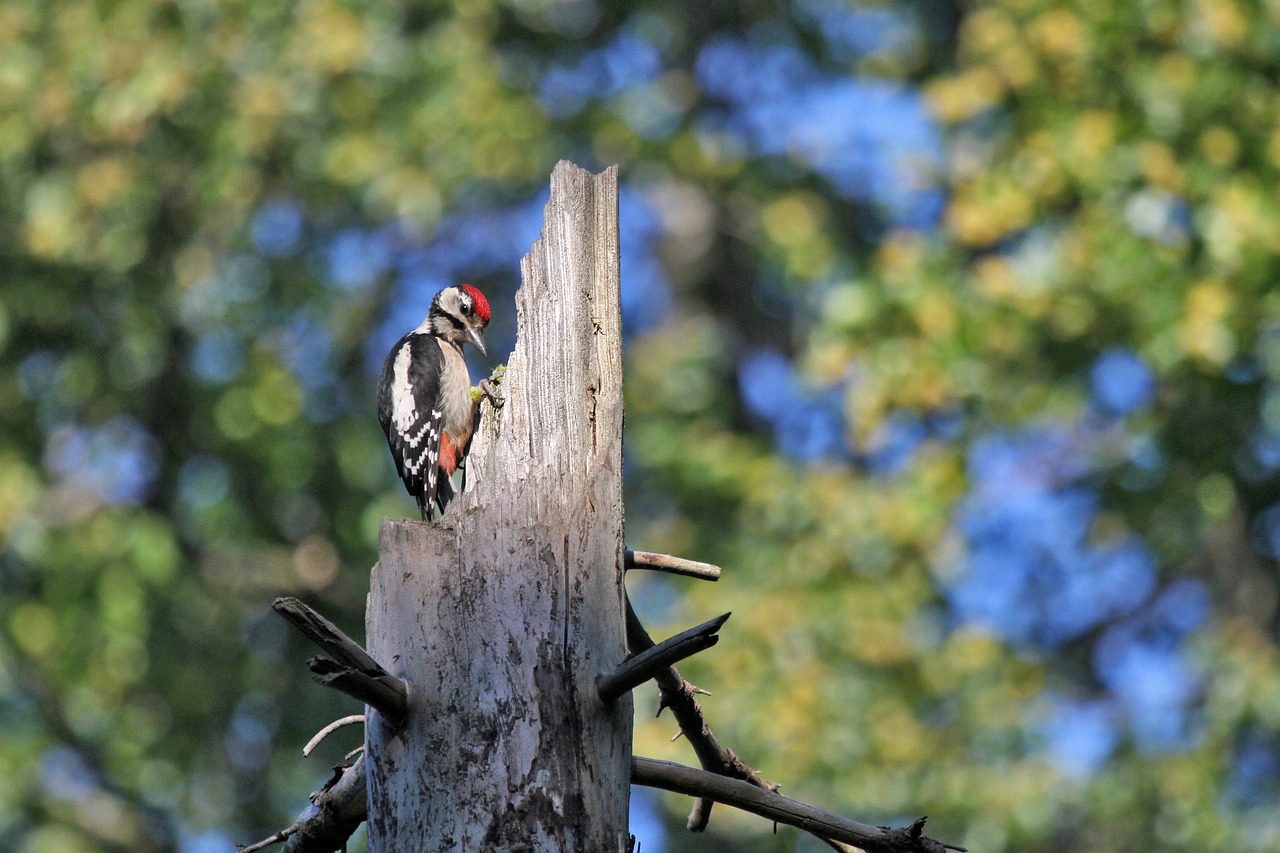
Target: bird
{"points": [[424, 395]]}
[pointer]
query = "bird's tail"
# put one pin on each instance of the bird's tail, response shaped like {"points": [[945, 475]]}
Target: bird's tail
{"points": [[444, 491]]}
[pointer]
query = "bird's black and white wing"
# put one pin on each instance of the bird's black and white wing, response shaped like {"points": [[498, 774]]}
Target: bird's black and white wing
{"points": [[410, 414]]}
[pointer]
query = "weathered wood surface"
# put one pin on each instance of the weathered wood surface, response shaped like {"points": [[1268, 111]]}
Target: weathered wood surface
{"points": [[501, 618]]}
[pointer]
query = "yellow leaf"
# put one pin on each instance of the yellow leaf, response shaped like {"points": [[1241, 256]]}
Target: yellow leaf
{"points": [[1219, 146], [1058, 32], [955, 99]]}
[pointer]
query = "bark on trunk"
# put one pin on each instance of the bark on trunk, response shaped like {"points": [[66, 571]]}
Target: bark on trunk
{"points": [[501, 618]]}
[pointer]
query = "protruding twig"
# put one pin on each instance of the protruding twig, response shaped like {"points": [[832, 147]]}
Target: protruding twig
{"points": [[670, 565], [355, 672], [325, 634], [642, 666], [774, 806], [330, 729]]}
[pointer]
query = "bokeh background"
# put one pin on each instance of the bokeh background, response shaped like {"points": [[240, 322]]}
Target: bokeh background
{"points": [[951, 335]]}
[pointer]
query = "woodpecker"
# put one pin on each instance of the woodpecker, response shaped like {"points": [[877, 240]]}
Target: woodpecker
{"points": [[424, 395]]}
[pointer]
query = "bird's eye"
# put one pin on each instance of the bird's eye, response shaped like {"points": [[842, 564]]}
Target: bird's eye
{"points": [[466, 308]]}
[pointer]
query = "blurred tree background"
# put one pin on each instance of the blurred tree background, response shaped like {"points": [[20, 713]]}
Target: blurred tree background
{"points": [[951, 336]]}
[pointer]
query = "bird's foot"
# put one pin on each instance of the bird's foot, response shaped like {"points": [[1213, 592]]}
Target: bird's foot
{"points": [[488, 388], [488, 391]]}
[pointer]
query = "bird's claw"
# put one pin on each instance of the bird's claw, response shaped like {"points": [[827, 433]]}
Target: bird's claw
{"points": [[489, 387], [489, 390]]}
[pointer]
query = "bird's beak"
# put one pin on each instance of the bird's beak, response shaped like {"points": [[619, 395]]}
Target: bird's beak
{"points": [[476, 339]]}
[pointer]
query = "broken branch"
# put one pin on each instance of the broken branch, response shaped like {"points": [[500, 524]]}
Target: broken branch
{"points": [[325, 634], [352, 671], [647, 664]]}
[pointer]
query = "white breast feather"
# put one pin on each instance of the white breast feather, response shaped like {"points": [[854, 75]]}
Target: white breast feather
{"points": [[456, 393]]}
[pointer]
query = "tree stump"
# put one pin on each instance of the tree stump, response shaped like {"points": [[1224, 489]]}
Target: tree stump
{"points": [[501, 617]]}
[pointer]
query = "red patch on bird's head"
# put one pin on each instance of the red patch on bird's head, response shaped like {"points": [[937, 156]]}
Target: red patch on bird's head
{"points": [[478, 302]]}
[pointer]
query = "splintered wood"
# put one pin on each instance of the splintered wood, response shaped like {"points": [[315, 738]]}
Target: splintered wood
{"points": [[501, 617]]}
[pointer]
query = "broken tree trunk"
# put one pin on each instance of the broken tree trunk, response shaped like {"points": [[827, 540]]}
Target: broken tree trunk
{"points": [[501, 617]]}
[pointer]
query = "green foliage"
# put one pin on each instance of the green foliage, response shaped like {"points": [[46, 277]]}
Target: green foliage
{"points": [[1109, 179]]}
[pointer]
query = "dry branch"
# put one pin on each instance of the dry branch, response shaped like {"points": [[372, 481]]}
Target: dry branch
{"points": [[774, 806], [352, 671], [671, 565], [325, 634], [641, 666]]}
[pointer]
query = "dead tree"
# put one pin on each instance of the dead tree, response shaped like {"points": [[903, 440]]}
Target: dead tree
{"points": [[497, 678], [502, 617]]}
